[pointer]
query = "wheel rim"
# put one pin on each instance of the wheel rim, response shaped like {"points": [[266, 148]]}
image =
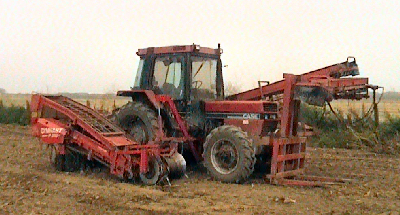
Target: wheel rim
{"points": [[153, 170], [153, 174], [224, 156]]}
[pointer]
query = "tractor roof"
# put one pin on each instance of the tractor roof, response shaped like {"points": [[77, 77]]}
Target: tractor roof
{"points": [[178, 49]]}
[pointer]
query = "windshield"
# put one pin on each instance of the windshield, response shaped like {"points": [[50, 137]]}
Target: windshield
{"points": [[168, 76], [204, 72], [139, 74]]}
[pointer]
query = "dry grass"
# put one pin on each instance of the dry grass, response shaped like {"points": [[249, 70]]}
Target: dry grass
{"points": [[386, 106], [104, 102], [108, 101]]}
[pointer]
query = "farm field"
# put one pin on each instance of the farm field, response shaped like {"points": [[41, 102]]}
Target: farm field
{"points": [[30, 185]]}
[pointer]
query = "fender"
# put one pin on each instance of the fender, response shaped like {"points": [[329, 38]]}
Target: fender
{"points": [[147, 96]]}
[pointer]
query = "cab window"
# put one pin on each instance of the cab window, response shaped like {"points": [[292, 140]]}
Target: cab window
{"points": [[168, 76], [204, 72]]}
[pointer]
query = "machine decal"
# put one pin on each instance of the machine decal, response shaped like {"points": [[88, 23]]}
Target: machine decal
{"points": [[241, 116], [52, 132], [251, 116]]}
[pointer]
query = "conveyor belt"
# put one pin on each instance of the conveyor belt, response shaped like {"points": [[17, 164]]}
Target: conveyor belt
{"points": [[96, 124], [89, 116], [71, 126]]}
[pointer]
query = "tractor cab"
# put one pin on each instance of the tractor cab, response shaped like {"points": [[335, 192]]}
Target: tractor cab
{"points": [[186, 73]]}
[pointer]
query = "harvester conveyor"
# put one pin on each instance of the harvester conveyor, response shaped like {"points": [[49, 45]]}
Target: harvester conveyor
{"points": [[70, 127]]}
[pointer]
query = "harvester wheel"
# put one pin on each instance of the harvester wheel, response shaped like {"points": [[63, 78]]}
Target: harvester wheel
{"points": [[228, 155], [73, 161], [138, 120], [56, 159], [69, 162], [154, 173]]}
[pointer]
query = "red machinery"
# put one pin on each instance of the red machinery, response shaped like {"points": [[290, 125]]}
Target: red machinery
{"points": [[230, 134], [316, 88], [73, 129], [178, 104]]}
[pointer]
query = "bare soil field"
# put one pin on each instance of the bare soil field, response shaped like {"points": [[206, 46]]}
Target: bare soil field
{"points": [[30, 185]]}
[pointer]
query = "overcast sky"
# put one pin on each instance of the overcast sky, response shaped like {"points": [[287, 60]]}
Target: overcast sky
{"points": [[89, 45]]}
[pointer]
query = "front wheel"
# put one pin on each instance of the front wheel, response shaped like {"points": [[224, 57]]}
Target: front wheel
{"points": [[228, 155]]}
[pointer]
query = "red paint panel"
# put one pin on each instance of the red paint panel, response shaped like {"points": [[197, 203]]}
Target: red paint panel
{"points": [[35, 102], [332, 82], [147, 93], [348, 82], [120, 141], [234, 106], [339, 69], [252, 127], [50, 131], [336, 70], [90, 145], [255, 94]]}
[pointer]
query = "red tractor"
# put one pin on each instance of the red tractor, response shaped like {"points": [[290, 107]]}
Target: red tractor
{"points": [[178, 99]]}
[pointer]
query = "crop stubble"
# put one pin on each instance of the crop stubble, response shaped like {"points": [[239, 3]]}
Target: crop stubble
{"points": [[29, 184]]}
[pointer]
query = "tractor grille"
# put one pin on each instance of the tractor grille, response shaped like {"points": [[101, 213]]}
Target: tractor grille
{"points": [[270, 107]]}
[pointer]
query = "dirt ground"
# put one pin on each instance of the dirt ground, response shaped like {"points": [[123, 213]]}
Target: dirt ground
{"points": [[30, 185]]}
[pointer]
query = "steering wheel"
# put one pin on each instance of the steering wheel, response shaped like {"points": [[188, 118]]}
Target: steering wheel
{"points": [[197, 84]]}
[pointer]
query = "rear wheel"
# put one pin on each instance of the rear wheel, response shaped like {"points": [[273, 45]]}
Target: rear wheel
{"points": [[139, 121], [228, 155]]}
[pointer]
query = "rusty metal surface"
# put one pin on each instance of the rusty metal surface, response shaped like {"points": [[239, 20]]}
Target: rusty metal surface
{"points": [[149, 94], [177, 49], [330, 77], [91, 121], [241, 106], [315, 87], [49, 130], [83, 130], [167, 100]]}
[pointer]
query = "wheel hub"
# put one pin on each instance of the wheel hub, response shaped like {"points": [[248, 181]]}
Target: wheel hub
{"points": [[154, 173], [138, 131], [224, 156]]}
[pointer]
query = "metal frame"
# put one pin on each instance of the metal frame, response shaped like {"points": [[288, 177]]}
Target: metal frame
{"points": [[288, 148], [80, 126]]}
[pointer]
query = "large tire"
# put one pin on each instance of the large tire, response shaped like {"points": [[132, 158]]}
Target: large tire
{"points": [[138, 120], [228, 155]]}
